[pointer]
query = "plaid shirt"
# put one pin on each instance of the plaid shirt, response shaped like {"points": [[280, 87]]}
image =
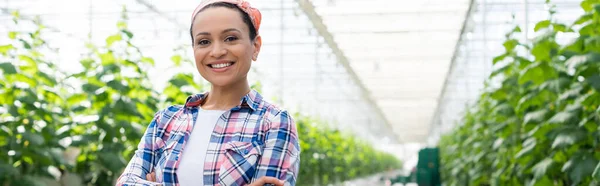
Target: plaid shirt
{"points": [[252, 140]]}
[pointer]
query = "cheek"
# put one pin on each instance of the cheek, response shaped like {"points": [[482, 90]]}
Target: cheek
{"points": [[199, 55]]}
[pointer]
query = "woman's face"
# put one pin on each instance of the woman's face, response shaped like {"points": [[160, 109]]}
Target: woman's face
{"points": [[223, 49]]}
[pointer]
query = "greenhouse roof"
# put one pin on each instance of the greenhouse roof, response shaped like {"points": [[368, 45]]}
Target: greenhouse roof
{"points": [[400, 50]]}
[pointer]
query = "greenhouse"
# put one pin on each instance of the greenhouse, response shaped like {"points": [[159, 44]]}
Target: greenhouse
{"points": [[381, 92]]}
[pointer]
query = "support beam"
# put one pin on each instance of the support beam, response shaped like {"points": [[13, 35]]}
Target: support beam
{"points": [[162, 14], [309, 9], [436, 115]]}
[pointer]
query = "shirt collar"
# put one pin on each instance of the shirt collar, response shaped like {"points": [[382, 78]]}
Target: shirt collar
{"points": [[250, 100]]}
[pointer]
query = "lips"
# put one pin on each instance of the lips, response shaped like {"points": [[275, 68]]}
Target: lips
{"points": [[220, 65]]}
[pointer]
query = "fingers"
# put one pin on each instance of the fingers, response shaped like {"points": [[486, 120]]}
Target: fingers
{"points": [[267, 180], [150, 177]]}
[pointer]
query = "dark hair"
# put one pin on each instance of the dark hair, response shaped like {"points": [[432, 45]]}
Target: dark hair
{"points": [[245, 18]]}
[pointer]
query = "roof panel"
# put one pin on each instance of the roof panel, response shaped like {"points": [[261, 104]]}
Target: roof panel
{"points": [[401, 51]]}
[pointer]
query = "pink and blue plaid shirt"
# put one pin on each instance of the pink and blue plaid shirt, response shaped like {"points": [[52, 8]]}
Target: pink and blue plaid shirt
{"points": [[252, 140]]}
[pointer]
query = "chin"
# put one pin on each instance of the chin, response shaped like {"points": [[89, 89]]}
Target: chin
{"points": [[223, 82]]}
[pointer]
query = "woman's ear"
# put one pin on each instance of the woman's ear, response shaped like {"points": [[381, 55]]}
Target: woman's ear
{"points": [[257, 44]]}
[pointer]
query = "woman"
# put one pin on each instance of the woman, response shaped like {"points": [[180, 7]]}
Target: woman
{"points": [[230, 135]]}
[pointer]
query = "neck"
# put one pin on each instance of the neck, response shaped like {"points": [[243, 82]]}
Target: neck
{"points": [[226, 97]]}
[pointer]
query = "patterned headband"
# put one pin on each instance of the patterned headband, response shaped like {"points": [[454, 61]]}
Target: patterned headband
{"points": [[252, 12]]}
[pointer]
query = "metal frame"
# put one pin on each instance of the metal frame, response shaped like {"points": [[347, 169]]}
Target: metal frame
{"points": [[440, 99], [309, 9]]}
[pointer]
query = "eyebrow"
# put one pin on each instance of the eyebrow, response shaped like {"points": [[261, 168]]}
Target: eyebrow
{"points": [[226, 30]]}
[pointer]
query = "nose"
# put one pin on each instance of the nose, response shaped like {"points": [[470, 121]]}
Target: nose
{"points": [[218, 50]]}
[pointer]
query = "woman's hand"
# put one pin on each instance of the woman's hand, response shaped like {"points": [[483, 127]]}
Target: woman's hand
{"points": [[260, 182], [150, 177], [267, 180]]}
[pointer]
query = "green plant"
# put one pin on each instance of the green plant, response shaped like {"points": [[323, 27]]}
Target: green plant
{"points": [[540, 126], [32, 106], [117, 95], [330, 156]]}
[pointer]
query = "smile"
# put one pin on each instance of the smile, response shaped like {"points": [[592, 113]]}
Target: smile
{"points": [[220, 65]]}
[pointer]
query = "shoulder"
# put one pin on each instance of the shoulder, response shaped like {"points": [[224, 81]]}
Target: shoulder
{"points": [[166, 114], [274, 113]]}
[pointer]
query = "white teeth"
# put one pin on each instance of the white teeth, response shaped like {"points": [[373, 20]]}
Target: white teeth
{"points": [[221, 65]]}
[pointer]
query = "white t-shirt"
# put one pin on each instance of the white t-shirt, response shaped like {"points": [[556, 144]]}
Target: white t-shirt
{"points": [[191, 165]]}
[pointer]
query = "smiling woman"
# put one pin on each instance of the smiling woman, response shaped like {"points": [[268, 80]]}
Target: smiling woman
{"points": [[229, 135]]}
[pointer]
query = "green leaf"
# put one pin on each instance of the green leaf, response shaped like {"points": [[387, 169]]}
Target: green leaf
{"points": [[596, 173], [87, 63], [504, 108], [7, 170], [587, 30], [117, 85], [111, 69], [176, 59], [563, 118], [586, 5], [528, 146], [541, 25], [499, 58], [33, 138], [536, 73], [107, 58], [5, 48], [571, 93], [536, 117], [506, 69], [510, 45], [517, 29], [12, 35], [25, 79], [560, 157], [543, 50], [584, 18], [8, 68], [129, 34], [112, 39], [76, 99], [594, 81], [29, 180], [567, 138], [181, 79], [555, 85], [544, 181], [147, 60], [90, 88], [112, 161], [46, 78], [121, 25], [579, 167], [15, 14], [541, 168], [498, 95], [561, 28], [178, 82], [579, 60], [25, 44]]}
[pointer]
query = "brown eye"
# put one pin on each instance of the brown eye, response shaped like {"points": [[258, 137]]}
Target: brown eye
{"points": [[231, 38], [203, 42]]}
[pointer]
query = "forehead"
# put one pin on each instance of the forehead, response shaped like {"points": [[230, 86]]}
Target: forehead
{"points": [[218, 18]]}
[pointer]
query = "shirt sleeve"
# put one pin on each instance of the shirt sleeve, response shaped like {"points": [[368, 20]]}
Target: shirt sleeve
{"points": [[144, 158], [281, 153]]}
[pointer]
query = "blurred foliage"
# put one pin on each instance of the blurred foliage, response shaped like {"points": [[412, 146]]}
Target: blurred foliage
{"points": [[330, 156], [540, 125], [59, 128]]}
